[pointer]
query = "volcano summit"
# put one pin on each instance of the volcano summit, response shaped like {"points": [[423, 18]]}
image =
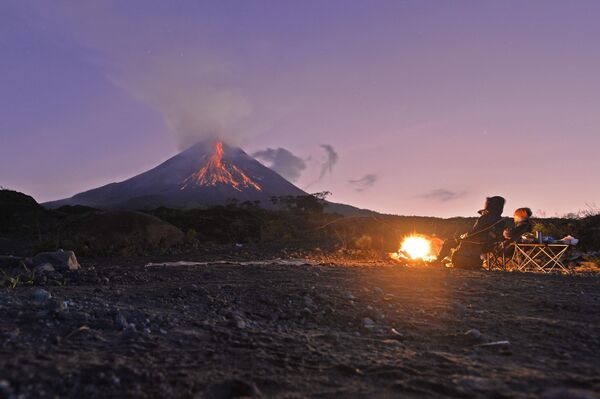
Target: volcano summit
{"points": [[208, 173]]}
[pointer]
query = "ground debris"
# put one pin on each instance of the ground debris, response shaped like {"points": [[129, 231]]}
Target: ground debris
{"points": [[277, 329]]}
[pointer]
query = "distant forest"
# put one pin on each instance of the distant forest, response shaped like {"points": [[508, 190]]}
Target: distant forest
{"points": [[298, 222]]}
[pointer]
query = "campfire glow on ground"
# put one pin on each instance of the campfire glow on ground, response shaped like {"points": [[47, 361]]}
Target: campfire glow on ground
{"points": [[416, 248]]}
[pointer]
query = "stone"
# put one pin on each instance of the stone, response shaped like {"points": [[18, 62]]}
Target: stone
{"points": [[59, 260], [475, 334], [44, 268], [121, 321], [41, 295], [396, 333], [368, 322], [308, 302]]}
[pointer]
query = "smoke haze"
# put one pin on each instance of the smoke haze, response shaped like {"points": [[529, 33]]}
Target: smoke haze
{"points": [[195, 89], [283, 162], [364, 183], [442, 195]]}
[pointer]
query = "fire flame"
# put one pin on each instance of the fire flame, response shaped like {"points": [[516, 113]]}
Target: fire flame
{"points": [[415, 247], [218, 171]]}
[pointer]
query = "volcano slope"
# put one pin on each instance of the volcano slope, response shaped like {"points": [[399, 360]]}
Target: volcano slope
{"points": [[208, 173], [122, 330]]}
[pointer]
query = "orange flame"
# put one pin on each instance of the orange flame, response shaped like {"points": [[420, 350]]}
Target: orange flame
{"points": [[417, 247], [218, 171]]}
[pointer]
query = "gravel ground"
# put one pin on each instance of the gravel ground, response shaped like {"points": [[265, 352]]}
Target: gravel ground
{"points": [[119, 329]]}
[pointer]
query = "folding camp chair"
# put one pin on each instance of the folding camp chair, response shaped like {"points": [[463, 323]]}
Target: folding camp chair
{"points": [[495, 259]]}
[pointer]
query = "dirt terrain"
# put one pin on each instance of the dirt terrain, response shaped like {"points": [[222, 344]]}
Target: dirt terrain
{"points": [[119, 329]]}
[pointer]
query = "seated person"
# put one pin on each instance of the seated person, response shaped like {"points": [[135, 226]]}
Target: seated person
{"points": [[466, 252], [522, 226]]}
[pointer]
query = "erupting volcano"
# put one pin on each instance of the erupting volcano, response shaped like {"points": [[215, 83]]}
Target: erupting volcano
{"points": [[208, 173], [218, 171]]}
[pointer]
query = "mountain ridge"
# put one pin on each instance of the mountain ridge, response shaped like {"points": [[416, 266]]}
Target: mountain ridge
{"points": [[205, 174]]}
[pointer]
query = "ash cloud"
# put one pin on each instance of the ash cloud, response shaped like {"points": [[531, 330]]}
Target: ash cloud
{"points": [[283, 162], [331, 158], [330, 161], [442, 195], [364, 183], [164, 62]]}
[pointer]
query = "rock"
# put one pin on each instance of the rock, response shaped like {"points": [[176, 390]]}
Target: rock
{"points": [[121, 321], [377, 290], [41, 295], [230, 389], [368, 322], [396, 333], [475, 334], [60, 260], [494, 344], [44, 268], [308, 302], [240, 323]]}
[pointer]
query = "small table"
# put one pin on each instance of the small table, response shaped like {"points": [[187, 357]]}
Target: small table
{"points": [[544, 258], [540, 257]]}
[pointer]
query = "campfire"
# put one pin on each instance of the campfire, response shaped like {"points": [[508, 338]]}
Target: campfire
{"points": [[417, 248], [219, 171]]}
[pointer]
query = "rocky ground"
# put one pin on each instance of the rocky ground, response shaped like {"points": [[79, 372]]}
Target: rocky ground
{"points": [[120, 329]]}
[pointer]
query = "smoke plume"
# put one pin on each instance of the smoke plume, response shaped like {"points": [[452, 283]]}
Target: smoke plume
{"points": [[442, 195], [283, 162], [166, 63], [331, 158], [330, 161], [364, 183]]}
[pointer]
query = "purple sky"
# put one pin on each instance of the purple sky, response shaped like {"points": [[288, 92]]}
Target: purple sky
{"points": [[443, 102]]}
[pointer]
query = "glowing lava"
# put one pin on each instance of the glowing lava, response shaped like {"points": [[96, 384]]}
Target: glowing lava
{"points": [[219, 171]]}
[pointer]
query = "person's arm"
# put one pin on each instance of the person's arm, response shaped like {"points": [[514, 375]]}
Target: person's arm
{"points": [[522, 228], [509, 233]]}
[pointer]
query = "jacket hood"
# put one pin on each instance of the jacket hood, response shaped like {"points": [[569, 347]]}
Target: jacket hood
{"points": [[493, 205]]}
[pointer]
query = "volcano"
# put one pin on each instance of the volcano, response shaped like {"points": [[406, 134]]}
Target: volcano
{"points": [[208, 173]]}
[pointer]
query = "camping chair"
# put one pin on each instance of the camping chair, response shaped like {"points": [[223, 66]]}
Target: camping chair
{"points": [[496, 258]]}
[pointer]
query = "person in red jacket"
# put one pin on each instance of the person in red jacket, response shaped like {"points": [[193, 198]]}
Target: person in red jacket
{"points": [[522, 226]]}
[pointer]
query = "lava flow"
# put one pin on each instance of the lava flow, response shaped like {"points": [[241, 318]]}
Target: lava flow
{"points": [[218, 171]]}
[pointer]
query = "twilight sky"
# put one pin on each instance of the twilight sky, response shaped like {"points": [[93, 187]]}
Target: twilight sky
{"points": [[429, 106]]}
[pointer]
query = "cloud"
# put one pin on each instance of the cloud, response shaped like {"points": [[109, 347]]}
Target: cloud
{"points": [[195, 88], [364, 183], [331, 158], [442, 195], [283, 162]]}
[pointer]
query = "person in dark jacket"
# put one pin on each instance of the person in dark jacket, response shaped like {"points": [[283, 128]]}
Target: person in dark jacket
{"points": [[465, 252], [522, 226]]}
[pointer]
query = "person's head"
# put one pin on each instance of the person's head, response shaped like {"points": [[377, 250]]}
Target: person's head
{"points": [[493, 205], [522, 214]]}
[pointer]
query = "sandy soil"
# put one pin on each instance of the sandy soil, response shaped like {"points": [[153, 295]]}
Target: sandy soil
{"points": [[119, 329]]}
